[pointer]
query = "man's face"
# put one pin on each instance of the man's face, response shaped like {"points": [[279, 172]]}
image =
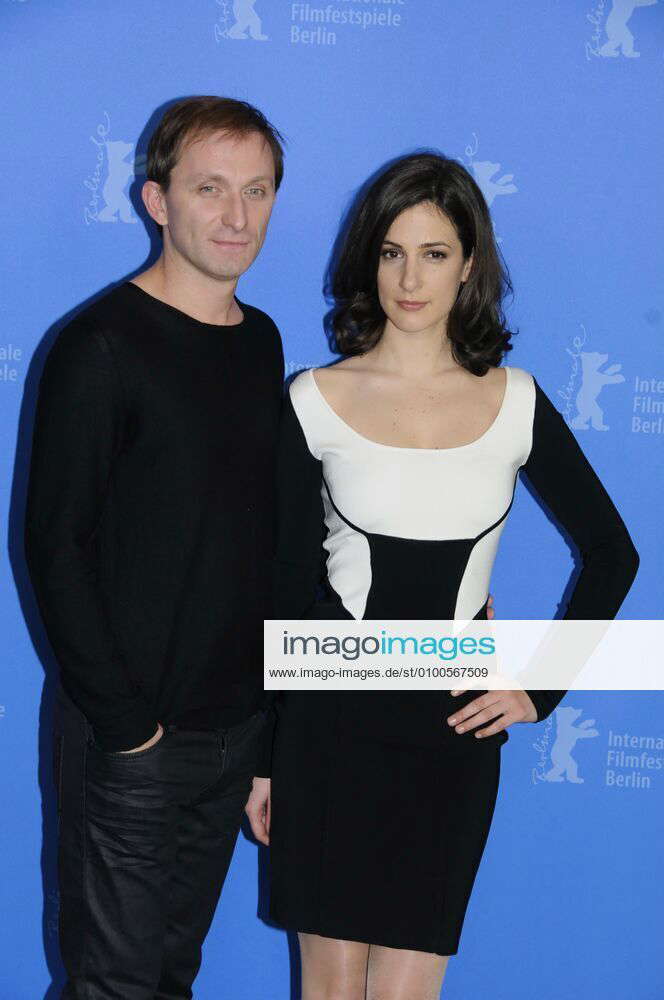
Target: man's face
{"points": [[218, 203]]}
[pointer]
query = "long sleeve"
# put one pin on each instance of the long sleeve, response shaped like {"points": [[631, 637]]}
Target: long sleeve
{"points": [[567, 484], [298, 565], [78, 436], [298, 562]]}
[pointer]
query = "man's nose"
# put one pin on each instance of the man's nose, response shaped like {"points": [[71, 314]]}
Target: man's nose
{"points": [[234, 212]]}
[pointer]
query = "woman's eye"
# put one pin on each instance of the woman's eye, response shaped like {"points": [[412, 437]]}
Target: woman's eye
{"points": [[389, 254], [438, 255]]}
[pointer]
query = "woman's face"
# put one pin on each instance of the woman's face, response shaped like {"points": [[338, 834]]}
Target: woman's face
{"points": [[420, 270]]}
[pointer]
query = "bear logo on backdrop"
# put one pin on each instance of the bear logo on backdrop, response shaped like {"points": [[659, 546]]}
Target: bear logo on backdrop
{"points": [[109, 183], [563, 765], [556, 760], [484, 172], [581, 409], [485, 175], [619, 38], [239, 21], [593, 380]]}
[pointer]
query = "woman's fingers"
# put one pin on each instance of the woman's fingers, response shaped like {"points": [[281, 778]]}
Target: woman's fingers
{"points": [[496, 727], [507, 705], [485, 715]]}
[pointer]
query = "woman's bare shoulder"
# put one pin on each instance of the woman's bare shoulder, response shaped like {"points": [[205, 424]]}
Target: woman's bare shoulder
{"points": [[340, 380], [339, 370]]}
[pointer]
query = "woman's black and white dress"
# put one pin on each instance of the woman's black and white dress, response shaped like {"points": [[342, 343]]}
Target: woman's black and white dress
{"points": [[380, 810]]}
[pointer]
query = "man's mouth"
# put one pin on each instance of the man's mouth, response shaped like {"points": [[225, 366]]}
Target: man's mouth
{"points": [[230, 244]]}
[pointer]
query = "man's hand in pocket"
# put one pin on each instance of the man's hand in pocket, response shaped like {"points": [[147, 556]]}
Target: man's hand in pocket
{"points": [[151, 742]]}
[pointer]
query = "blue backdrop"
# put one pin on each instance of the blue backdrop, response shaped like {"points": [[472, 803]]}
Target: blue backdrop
{"points": [[556, 109]]}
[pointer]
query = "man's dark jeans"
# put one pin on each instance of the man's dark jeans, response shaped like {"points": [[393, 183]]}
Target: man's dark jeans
{"points": [[145, 841]]}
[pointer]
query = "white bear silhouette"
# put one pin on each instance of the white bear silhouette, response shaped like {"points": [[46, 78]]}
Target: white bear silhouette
{"points": [[567, 734], [246, 19], [119, 173], [484, 171], [618, 34], [592, 383]]}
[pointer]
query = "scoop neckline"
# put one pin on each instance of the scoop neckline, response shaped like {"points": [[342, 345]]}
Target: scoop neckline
{"points": [[185, 317], [426, 451]]}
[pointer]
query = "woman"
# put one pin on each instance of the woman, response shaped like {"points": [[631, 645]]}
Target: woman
{"points": [[399, 466]]}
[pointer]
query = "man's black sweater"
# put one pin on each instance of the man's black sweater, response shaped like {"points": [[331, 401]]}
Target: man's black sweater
{"points": [[150, 516]]}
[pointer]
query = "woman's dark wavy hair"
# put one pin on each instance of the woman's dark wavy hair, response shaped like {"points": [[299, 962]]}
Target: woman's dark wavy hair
{"points": [[476, 323]]}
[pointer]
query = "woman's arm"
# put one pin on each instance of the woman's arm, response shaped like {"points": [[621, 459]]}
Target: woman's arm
{"points": [[299, 558], [568, 485]]}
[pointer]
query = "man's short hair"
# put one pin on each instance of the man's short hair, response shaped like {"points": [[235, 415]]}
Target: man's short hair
{"points": [[196, 117]]}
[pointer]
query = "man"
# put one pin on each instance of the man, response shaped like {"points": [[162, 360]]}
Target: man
{"points": [[148, 538]]}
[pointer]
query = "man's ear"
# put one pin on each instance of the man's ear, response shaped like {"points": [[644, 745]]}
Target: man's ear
{"points": [[154, 201]]}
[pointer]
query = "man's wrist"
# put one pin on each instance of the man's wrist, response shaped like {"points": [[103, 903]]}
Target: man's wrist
{"points": [[125, 735], [151, 742]]}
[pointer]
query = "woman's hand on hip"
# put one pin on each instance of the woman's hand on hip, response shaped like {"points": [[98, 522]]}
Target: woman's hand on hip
{"points": [[509, 706]]}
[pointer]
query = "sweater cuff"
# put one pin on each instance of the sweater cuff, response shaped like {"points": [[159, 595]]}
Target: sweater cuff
{"points": [[545, 702], [127, 732]]}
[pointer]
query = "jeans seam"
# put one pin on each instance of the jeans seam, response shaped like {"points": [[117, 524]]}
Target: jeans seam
{"points": [[211, 784], [59, 769]]}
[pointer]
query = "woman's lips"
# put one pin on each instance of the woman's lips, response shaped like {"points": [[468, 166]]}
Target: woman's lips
{"points": [[411, 306]]}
